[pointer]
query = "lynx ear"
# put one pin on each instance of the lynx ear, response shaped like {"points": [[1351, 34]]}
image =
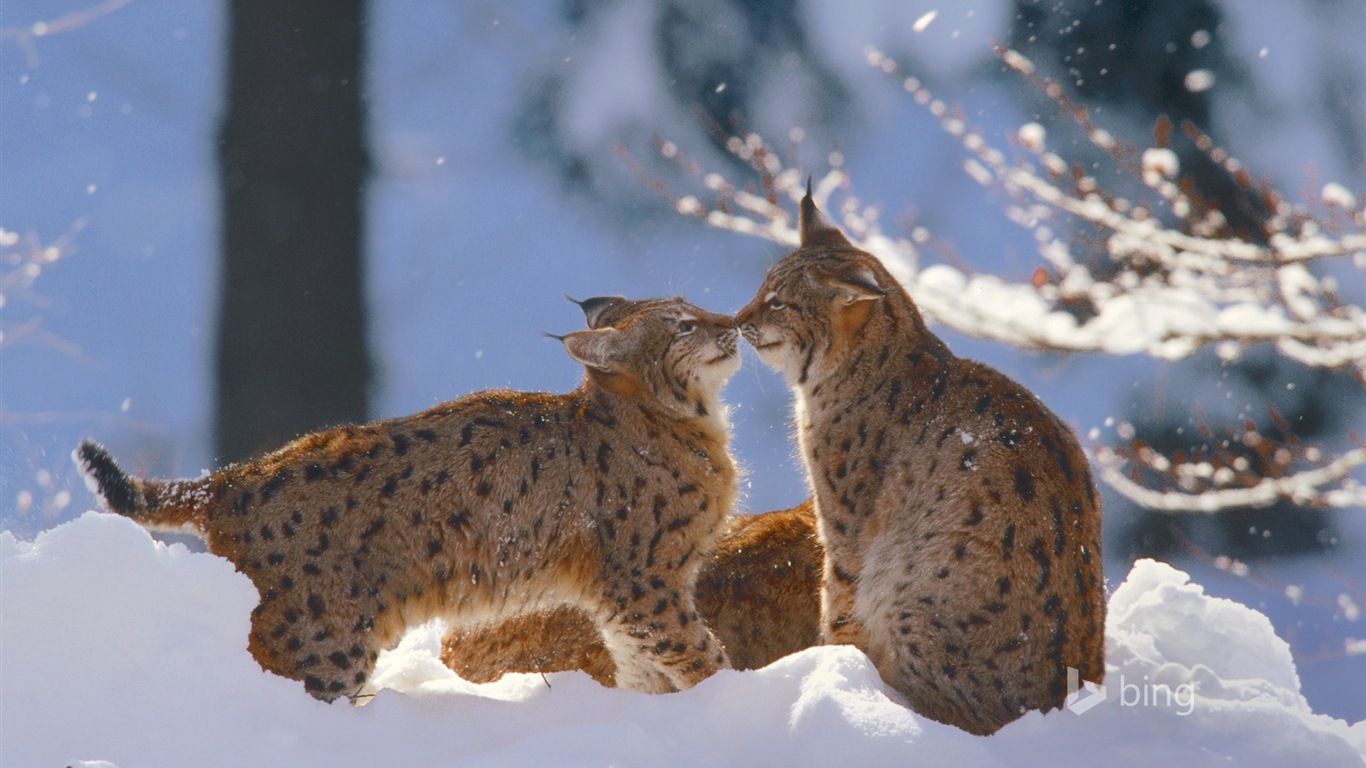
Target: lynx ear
{"points": [[815, 229], [599, 348], [854, 282], [596, 307]]}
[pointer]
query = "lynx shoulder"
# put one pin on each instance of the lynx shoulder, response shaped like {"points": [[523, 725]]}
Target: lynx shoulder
{"points": [[959, 515], [758, 591], [486, 507]]}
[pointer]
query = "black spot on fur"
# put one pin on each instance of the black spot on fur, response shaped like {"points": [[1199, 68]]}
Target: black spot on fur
{"points": [[1008, 541], [1036, 549], [1024, 484], [1059, 539], [893, 394], [242, 503], [373, 528], [274, 484], [969, 456]]}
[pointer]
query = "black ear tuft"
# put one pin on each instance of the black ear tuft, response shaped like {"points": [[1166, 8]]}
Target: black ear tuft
{"points": [[816, 231], [596, 309]]}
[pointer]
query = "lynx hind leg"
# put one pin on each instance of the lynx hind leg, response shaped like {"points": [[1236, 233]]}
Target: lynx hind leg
{"points": [[664, 648], [331, 649], [553, 640]]}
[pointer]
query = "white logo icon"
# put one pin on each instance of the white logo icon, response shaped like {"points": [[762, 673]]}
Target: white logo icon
{"points": [[1076, 700]]}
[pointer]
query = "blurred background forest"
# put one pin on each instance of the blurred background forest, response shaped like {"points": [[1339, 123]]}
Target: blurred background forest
{"points": [[227, 224]]}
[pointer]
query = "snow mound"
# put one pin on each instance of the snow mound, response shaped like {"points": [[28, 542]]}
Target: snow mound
{"points": [[117, 650]]}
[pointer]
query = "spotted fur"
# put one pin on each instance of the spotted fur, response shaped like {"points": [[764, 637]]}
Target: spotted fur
{"points": [[959, 516], [486, 507], [758, 590]]}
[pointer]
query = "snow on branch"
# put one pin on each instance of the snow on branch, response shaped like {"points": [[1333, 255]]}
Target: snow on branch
{"points": [[1174, 280], [1215, 489], [1171, 277]]}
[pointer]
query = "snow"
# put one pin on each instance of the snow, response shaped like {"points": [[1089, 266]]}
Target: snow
{"points": [[123, 651]]}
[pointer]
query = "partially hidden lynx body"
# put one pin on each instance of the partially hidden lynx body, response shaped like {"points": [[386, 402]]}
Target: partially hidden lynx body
{"points": [[758, 590], [486, 507], [958, 514]]}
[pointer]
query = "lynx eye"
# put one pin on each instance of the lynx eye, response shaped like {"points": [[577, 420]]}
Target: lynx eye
{"points": [[686, 327], [773, 303]]}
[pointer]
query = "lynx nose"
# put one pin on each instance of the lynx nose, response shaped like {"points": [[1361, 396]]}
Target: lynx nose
{"points": [[745, 317]]}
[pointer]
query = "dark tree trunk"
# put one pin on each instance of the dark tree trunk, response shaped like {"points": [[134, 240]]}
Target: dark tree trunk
{"points": [[292, 352]]}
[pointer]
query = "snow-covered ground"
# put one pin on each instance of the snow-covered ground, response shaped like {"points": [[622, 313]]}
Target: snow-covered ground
{"points": [[121, 649]]}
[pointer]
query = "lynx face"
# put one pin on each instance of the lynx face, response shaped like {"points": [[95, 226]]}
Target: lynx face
{"points": [[810, 304], [678, 353]]}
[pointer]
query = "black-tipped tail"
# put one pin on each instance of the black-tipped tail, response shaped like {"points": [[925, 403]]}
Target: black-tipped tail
{"points": [[106, 479]]}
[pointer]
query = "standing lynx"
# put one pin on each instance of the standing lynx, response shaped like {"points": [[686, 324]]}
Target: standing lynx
{"points": [[485, 507], [958, 514], [758, 591]]}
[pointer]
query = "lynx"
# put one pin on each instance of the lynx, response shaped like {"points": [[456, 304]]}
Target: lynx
{"points": [[485, 507], [958, 514], [758, 591]]}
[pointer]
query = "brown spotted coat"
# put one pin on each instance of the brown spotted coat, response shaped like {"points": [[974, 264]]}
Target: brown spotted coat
{"points": [[495, 504], [959, 516]]}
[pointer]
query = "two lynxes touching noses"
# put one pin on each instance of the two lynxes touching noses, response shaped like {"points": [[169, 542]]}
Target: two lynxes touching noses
{"points": [[953, 532]]}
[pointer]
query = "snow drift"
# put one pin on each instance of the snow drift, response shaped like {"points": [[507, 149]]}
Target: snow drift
{"points": [[117, 649]]}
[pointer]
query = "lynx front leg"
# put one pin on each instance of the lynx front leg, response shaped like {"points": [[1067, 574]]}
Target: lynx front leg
{"points": [[668, 649], [838, 623]]}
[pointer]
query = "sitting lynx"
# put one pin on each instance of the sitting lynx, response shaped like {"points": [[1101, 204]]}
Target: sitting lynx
{"points": [[758, 591], [958, 514], [483, 508]]}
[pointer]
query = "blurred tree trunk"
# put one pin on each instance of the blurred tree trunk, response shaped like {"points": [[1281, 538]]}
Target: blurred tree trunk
{"points": [[292, 352]]}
